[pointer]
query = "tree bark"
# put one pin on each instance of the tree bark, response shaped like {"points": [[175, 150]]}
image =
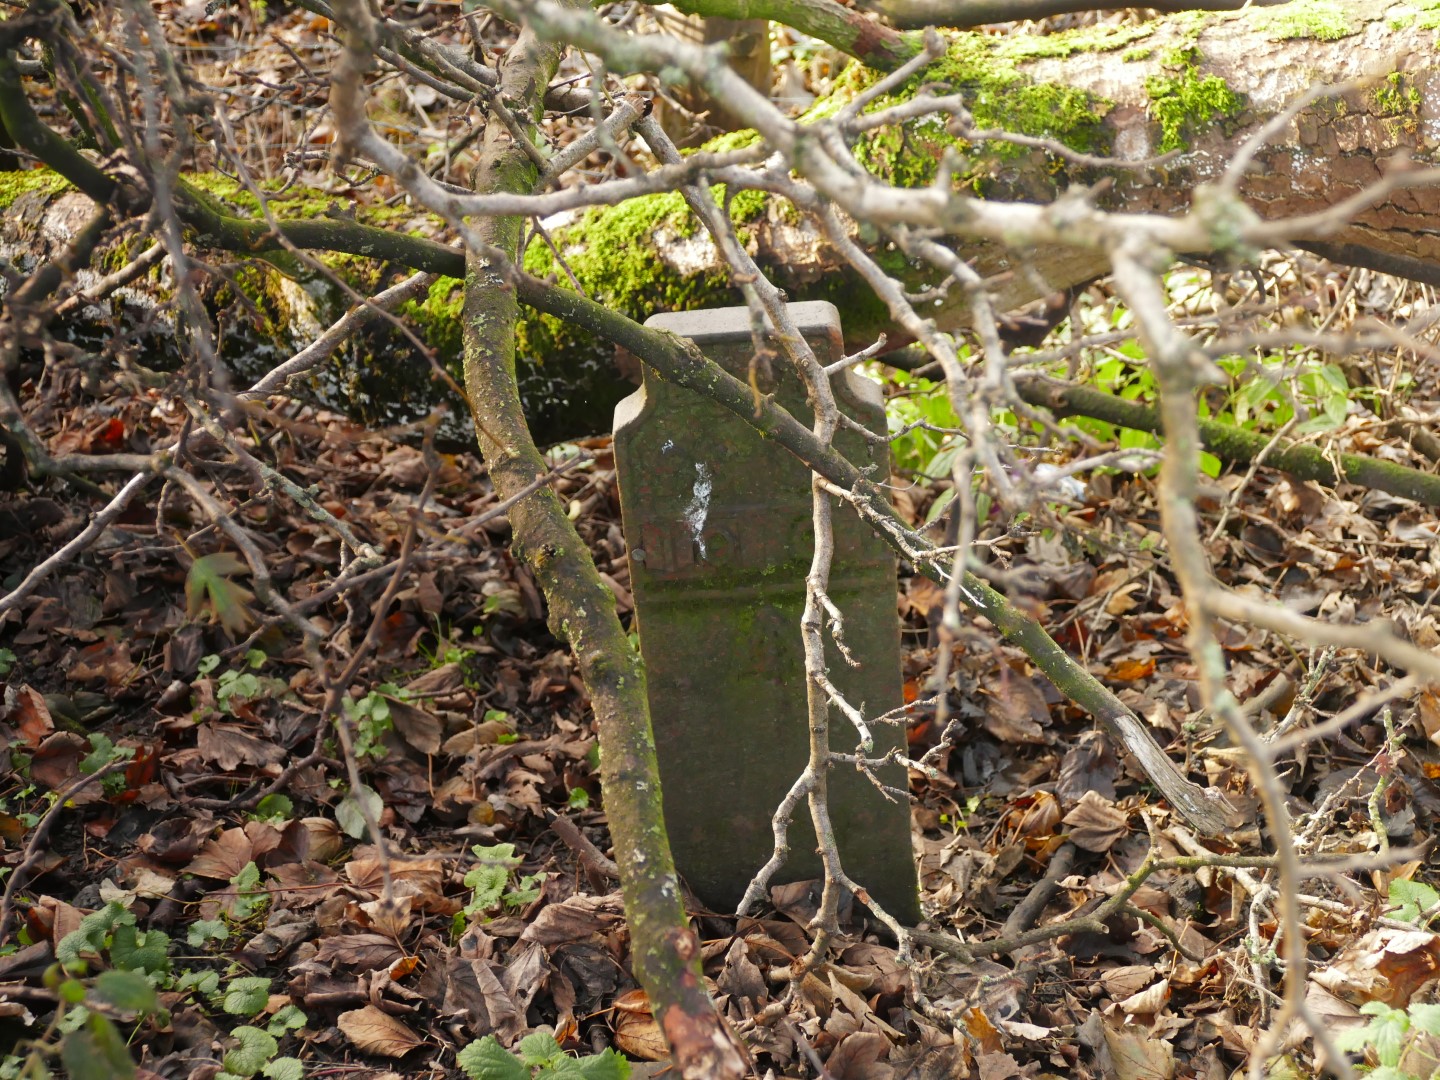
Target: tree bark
{"points": [[665, 952]]}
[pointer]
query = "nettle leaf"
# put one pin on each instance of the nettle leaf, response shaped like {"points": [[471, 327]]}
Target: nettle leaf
{"points": [[247, 996], [606, 1066], [1413, 898], [539, 1048], [208, 587], [492, 875], [255, 1048], [488, 1060], [250, 898], [127, 990], [89, 938], [1425, 1018]]}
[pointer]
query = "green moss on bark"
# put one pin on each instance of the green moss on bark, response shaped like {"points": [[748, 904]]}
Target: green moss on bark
{"points": [[988, 71], [1323, 20], [1186, 103]]}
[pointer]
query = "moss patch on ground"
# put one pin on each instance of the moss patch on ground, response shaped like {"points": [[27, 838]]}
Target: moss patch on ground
{"points": [[15, 184], [1398, 96]]}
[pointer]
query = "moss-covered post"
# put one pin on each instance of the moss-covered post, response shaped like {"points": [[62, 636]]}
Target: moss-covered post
{"points": [[665, 952], [718, 522]]}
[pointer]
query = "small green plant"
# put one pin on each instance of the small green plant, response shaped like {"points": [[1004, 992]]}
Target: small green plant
{"points": [[237, 688], [255, 1048], [371, 717], [254, 1055], [112, 933], [537, 1057], [445, 650], [7, 661], [1415, 902], [87, 1041], [275, 809], [1399, 1040], [490, 883], [250, 898], [103, 752], [351, 811], [915, 400]]}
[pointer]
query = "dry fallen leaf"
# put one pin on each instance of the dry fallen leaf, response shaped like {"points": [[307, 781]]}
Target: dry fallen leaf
{"points": [[1095, 824], [636, 1032], [1135, 1054], [376, 1032]]}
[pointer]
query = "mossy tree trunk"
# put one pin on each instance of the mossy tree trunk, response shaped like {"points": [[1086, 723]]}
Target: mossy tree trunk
{"points": [[665, 953]]}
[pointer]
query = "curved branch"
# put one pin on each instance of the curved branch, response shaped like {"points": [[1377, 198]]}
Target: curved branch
{"points": [[874, 44], [966, 14]]}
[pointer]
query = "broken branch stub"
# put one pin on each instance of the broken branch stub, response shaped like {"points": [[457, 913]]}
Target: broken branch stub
{"points": [[718, 523]]}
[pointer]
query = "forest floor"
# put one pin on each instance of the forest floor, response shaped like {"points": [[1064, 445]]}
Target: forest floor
{"points": [[229, 833], [177, 803]]}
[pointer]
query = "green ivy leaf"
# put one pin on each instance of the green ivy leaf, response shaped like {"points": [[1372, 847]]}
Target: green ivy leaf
{"points": [[488, 1060], [247, 996], [255, 1048]]}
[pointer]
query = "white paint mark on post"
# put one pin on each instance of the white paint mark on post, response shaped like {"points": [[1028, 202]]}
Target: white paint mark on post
{"points": [[699, 508]]}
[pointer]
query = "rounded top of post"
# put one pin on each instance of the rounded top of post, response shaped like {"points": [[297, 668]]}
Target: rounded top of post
{"points": [[714, 325]]}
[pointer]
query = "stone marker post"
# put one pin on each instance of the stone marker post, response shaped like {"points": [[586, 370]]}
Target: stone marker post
{"points": [[717, 520]]}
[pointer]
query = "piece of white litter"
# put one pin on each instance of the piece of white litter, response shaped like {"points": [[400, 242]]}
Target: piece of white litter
{"points": [[699, 508]]}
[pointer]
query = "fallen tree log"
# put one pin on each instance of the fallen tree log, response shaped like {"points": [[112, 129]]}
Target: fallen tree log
{"points": [[1199, 84], [1236, 446]]}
